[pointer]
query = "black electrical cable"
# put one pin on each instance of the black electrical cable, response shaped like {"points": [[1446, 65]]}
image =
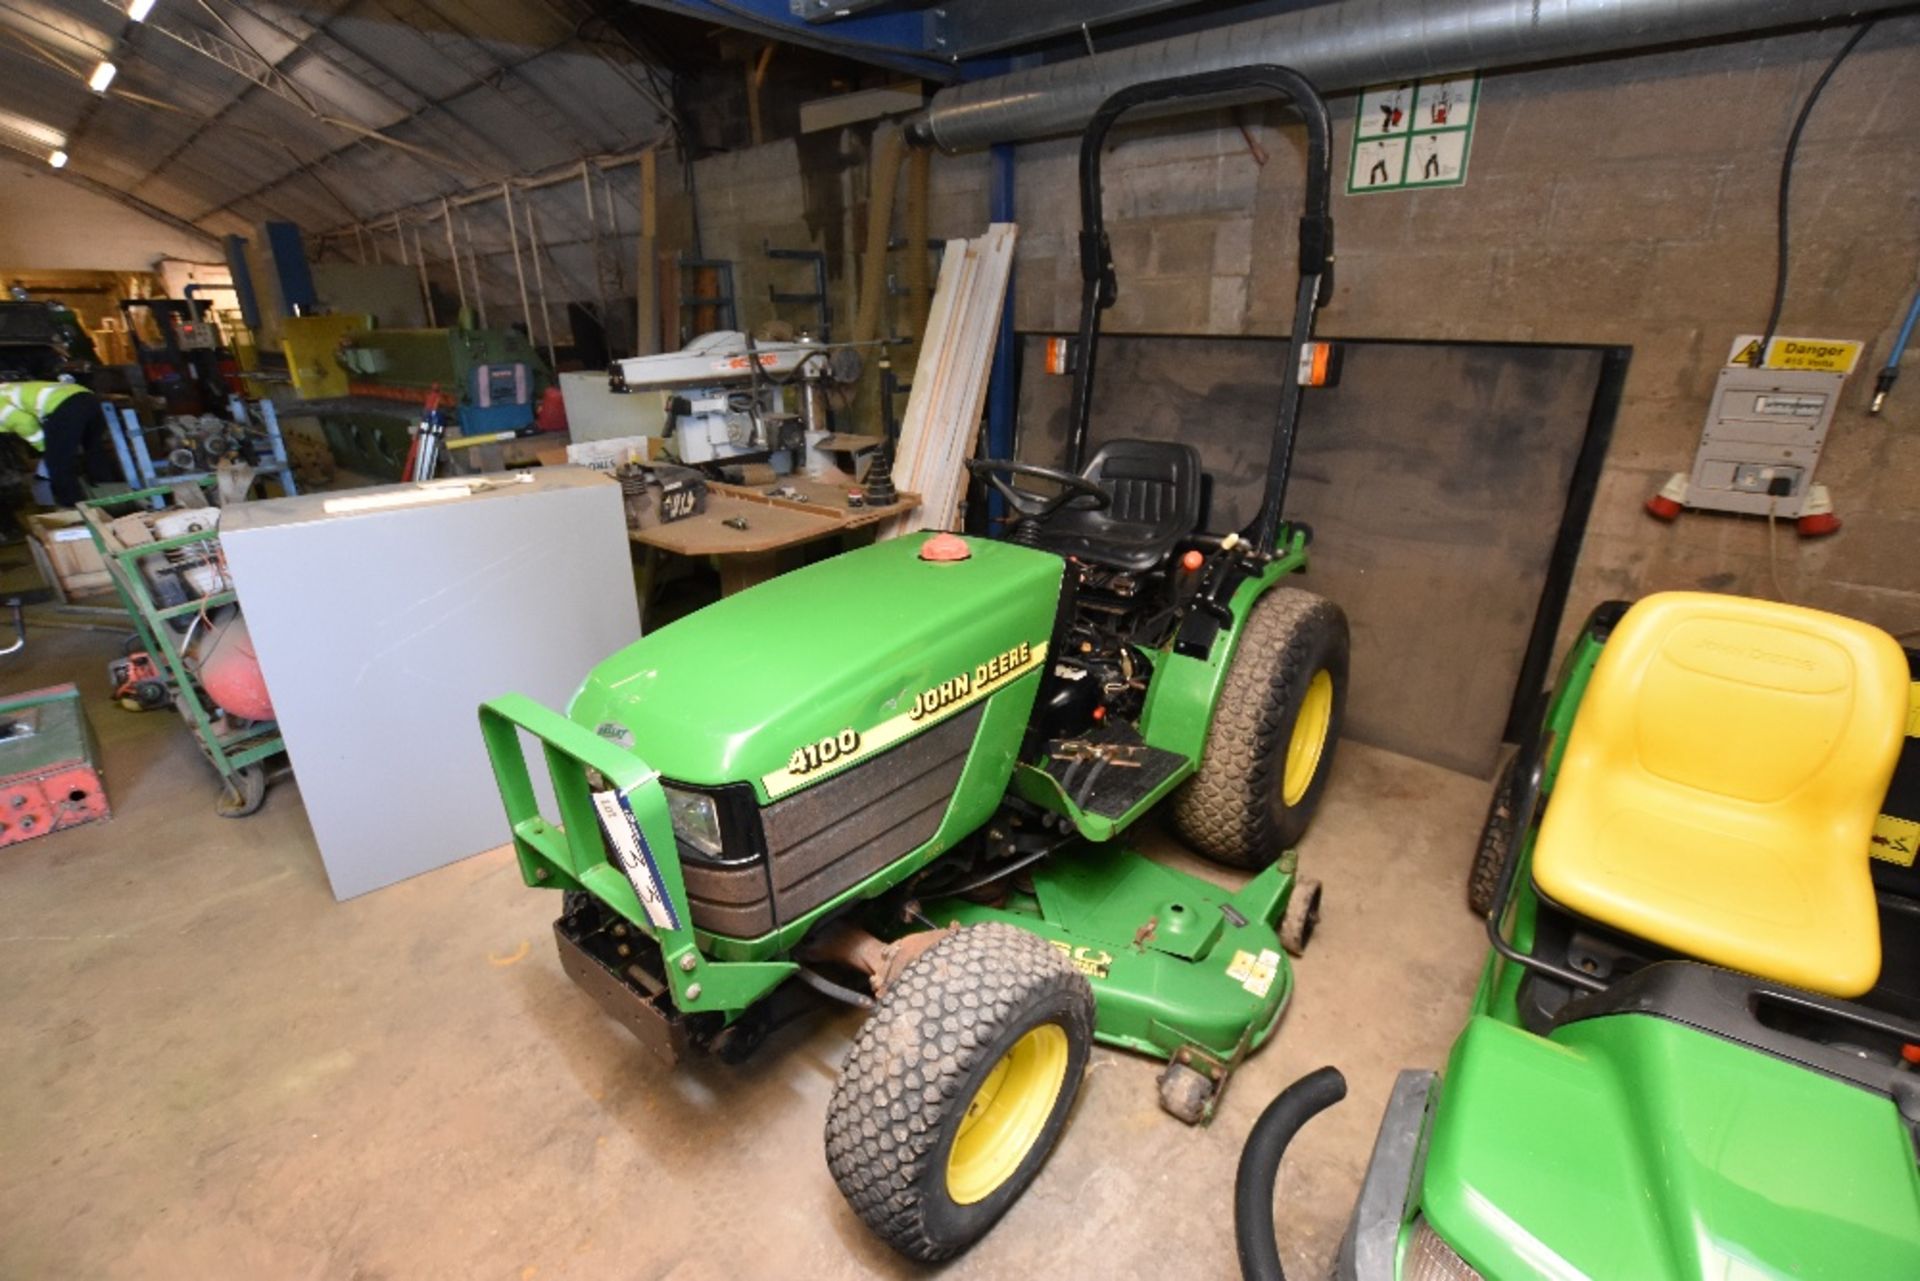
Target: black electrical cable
{"points": [[1782, 225]]}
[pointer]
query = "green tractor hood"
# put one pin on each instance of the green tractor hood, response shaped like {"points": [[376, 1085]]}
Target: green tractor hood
{"points": [[784, 684], [1634, 1146]]}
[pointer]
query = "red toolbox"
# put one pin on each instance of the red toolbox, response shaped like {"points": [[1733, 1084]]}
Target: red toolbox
{"points": [[48, 779]]}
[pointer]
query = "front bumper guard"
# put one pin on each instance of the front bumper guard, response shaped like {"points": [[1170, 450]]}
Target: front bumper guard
{"points": [[616, 843], [1371, 1249]]}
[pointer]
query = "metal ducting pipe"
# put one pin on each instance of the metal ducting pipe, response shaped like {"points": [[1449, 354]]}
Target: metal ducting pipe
{"points": [[1351, 44]]}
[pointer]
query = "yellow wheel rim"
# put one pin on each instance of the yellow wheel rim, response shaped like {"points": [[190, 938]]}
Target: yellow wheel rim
{"points": [[1006, 1114], [1309, 741]]}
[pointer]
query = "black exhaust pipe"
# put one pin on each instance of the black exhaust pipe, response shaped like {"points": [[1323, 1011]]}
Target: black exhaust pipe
{"points": [[1296, 1105]]}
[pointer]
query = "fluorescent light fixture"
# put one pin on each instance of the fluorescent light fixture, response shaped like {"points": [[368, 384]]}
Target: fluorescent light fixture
{"points": [[139, 10], [102, 77], [58, 159], [41, 137]]}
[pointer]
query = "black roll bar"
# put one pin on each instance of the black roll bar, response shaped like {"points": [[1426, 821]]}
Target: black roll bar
{"points": [[1099, 286]]}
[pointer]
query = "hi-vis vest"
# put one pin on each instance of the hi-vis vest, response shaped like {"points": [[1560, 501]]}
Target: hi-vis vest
{"points": [[23, 406]]}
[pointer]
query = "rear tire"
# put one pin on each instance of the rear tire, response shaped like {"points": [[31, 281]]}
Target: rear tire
{"points": [[1496, 838], [957, 1087], [1274, 730]]}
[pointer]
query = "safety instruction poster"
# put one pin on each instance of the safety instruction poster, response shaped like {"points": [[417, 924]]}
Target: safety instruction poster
{"points": [[1413, 134]]}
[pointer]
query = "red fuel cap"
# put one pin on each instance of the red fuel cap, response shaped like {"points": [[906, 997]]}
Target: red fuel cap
{"points": [[945, 547]]}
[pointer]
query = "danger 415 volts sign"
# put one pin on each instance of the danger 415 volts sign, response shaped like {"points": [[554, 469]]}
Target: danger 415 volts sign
{"points": [[1814, 355]]}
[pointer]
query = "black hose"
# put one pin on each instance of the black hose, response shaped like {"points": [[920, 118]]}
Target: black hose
{"points": [[1783, 215], [1296, 1105]]}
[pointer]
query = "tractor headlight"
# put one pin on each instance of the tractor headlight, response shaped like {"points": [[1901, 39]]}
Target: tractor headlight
{"points": [[1431, 1259], [696, 821]]}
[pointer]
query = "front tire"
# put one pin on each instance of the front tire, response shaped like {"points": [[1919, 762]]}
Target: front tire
{"points": [[957, 1087], [1270, 747]]}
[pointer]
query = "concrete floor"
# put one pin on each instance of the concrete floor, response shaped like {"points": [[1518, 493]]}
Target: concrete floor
{"points": [[211, 1069]]}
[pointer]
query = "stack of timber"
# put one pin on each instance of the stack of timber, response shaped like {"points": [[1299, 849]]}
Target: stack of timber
{"points": [[942, 420]]}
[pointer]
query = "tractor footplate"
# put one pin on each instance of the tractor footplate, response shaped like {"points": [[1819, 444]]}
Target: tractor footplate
{"points": [[1110, 770]]}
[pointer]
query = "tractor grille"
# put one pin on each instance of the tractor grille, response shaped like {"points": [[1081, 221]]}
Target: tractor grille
{"points": [[730, 901], [832, 836]]}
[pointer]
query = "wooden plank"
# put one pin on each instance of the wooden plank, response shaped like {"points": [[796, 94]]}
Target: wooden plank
{"points": [[917, 450], [769, 528], [950, 380], [928, 373], [919, 174], [772, 523], [983, 335], [820, 497], [647, 334], [756, 78], [889, 147]]}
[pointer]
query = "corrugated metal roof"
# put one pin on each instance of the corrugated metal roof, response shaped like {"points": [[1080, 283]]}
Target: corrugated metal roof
{"points": [[223, 113]]}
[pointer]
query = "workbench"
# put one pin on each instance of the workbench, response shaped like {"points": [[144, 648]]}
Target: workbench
{"points": [[776, 527]]}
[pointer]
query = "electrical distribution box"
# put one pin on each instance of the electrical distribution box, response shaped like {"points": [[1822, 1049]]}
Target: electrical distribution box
{"points": [[1764, 432]]}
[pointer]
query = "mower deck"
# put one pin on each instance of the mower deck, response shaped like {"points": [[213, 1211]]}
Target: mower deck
{"points": [[1180, 968]]}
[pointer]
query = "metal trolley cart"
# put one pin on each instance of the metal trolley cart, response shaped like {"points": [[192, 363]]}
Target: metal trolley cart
{"points": [[167, 622]]}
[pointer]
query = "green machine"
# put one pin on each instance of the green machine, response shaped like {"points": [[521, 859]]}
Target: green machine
{"points": [[924, 815], [1693, 1049], [491, 379]]}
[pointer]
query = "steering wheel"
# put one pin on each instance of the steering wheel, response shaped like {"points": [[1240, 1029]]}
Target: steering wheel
{"points": [[1076, 492]]}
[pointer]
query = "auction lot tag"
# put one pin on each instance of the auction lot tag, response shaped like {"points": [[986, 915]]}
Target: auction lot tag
{"points": [[633, 856]]}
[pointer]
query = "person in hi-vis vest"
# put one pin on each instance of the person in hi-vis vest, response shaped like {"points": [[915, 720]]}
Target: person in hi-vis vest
{"points": [[55, 420]]}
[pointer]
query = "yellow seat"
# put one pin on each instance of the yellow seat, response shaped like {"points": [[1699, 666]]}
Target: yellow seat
{"points": [[1720, 783]]}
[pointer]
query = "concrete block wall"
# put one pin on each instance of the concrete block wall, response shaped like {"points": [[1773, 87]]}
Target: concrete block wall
{"points": [[1627, 201], [749, 199]]}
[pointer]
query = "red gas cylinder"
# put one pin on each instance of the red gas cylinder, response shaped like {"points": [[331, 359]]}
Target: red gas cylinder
{"points": [[230, 673], [552, 413]]}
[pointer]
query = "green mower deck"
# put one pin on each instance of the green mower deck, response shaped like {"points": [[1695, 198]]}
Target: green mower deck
{"points": [[1181, 969]]}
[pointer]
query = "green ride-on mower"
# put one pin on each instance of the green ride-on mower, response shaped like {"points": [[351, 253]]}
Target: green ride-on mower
{"points": [[1693, 1050], [899, 778]]}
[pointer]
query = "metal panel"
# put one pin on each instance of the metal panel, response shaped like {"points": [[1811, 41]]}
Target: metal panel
{"points": [[380, 633], [1435, 477]]}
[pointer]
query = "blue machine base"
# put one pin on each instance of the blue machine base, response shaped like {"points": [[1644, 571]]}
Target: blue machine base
{"points": [[475, 421]]}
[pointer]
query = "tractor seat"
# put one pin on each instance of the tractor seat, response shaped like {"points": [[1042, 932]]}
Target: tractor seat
{"points": [[1158, 491], [1720, 783]]}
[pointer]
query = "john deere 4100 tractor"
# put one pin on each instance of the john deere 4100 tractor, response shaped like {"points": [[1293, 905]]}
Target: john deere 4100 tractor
{"points": [[899, 777]]}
